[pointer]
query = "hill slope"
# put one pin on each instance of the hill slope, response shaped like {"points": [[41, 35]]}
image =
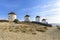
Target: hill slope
{"points": [[18, 34]]}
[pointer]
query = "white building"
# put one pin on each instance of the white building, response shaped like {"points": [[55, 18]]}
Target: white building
{"points": [[37, 18], [11, 16], [44, 21], [27, 18]]}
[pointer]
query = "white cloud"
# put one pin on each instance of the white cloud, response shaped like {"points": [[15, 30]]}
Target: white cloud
{"points": [[57, 4], [51, 10], [52, 15], [54, 18]]}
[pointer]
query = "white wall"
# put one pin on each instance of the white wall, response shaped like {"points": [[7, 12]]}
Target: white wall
{"points": [[27, 19], [45, 22], [11, 17], [37, 19]]}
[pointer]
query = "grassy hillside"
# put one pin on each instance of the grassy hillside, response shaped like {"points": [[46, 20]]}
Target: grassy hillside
{"points": [[25, 27], [27, 31]]}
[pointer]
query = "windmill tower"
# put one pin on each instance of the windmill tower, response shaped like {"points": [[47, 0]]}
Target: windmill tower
{"points": [[27, 18], [37, 18], [11, 16], [44, 21]]}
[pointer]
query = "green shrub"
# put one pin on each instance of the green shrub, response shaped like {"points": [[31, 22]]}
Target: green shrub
{"points": [[58, 27], [34, 33], [23, 31], [46, 28], [10, 30], [16, 21], [31, 30], [41, 29]]}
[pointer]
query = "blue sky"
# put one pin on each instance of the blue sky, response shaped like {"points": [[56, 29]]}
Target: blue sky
{"points": [[49, 9]]}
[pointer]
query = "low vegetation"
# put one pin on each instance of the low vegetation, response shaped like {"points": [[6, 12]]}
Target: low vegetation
{"points": [[42, 29], [58, 27], [16, 21], [28, 27]]}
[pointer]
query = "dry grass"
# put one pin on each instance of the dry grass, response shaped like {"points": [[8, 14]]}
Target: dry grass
{"points": [[27, 32], [23, 27]]}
